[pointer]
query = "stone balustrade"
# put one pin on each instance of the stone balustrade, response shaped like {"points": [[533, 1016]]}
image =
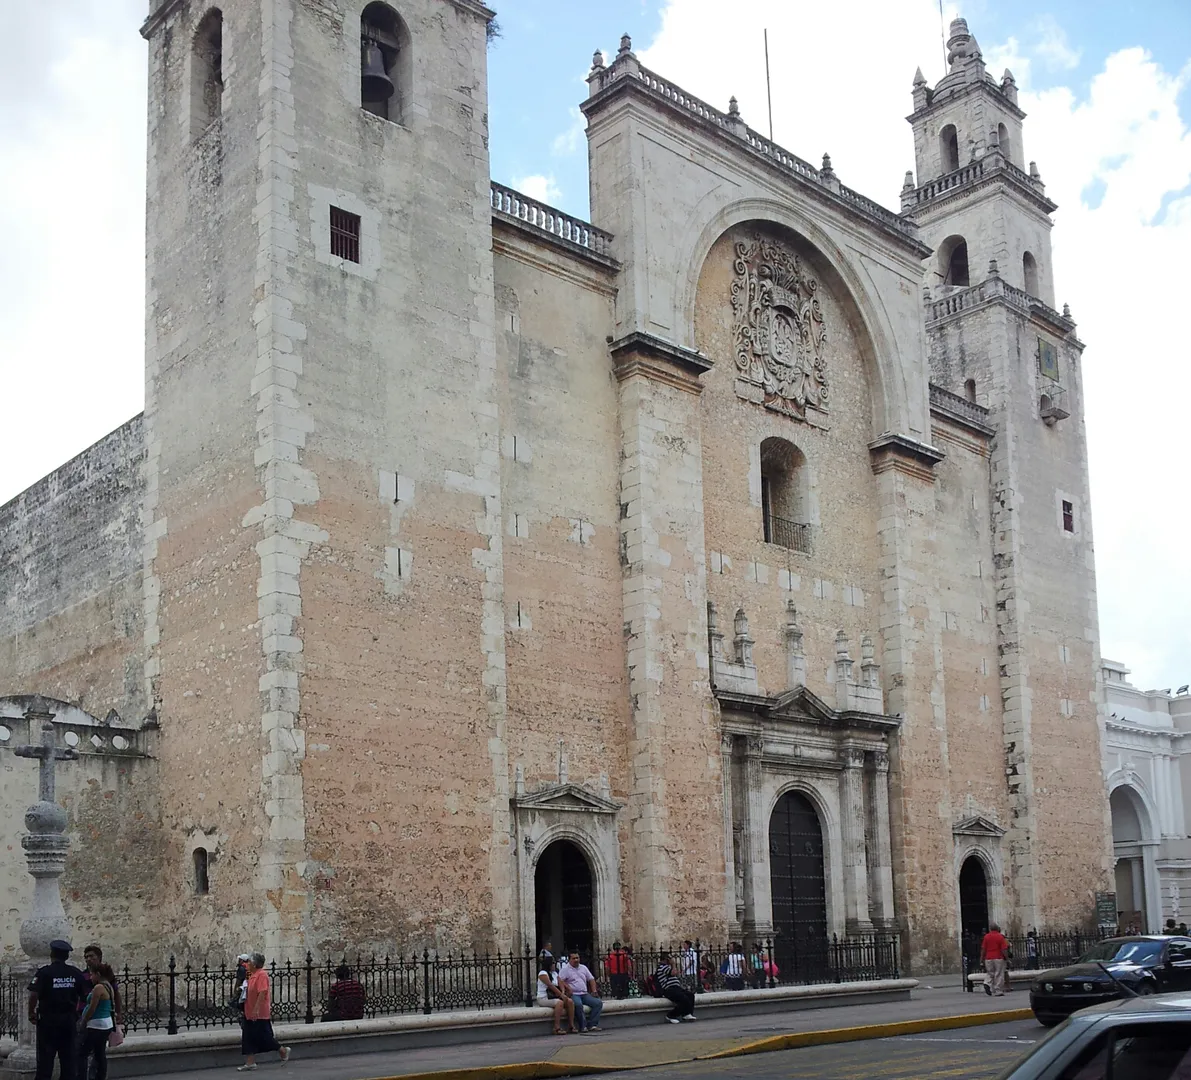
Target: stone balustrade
{"points": [[553, 222], [601, 78], [994, 288], [992, 163], [955, 405]]}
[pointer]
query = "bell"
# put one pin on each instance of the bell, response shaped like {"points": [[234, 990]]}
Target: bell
{"points": [[375, 84]]}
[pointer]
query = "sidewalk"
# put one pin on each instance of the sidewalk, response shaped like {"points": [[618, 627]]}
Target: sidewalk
{"points": [[932, 1008]]}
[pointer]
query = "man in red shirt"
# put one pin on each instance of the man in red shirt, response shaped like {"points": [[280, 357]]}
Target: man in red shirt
{"points": [[994, 951]]}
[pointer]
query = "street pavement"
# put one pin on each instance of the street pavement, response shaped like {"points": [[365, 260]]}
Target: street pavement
{"points": [[666, 1045], [978, 1053]]}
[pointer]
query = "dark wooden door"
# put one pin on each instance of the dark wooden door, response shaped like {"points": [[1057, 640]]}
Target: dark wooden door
{"points": [[798, 887], [563, 900]]}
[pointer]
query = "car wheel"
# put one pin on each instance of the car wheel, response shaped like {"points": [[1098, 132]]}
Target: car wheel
{"points": [[1047, 1021], [1145, 989]]}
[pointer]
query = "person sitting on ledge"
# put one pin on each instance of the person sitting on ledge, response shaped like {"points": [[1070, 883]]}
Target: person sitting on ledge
{"points": [[345, 999]]}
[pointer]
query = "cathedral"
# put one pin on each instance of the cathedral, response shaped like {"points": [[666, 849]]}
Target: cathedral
{"points": [[478, 576]]}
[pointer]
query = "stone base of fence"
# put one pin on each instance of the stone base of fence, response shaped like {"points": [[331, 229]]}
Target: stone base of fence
{"points": [[149, 1055], [1016, 978]]}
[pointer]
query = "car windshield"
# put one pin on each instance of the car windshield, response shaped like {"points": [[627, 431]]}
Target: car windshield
{"points": [[1132, 952]]}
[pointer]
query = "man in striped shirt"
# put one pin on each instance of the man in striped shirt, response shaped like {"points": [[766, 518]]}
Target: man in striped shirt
{"points": [[671, 988]]}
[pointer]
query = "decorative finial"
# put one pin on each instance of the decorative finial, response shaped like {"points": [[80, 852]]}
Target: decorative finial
{"points": [[908, 183], [841, 646], [1034, 173], [926, 293], [1066, 311], [733, 106], [992, 267], [1007, 79], [626, 45], [919, 78], [597, 60], [866, 648], [827, 169]]}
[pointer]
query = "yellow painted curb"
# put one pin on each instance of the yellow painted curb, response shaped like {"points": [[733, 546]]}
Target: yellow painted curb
{"points": [[544, 1070], [871, 1031]]}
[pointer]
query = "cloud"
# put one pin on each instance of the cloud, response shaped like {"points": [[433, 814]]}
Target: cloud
{"points": [[570, 141], [542, 188], [1052, 45], [1119, 262]]}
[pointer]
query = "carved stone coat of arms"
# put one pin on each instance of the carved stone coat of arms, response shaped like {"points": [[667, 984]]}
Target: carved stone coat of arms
{"points": [[778, 328]]}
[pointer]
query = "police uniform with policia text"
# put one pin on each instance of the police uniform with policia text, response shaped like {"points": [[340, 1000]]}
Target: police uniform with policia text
{"points": [[54, 996]]}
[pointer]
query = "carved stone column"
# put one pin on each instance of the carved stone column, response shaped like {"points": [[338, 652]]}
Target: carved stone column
{"points": [[795, 657], [758, 900], [852, 822], [729, 831], [881, 852]]}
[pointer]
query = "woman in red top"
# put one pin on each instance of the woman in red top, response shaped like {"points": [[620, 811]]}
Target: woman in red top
{"points": [[257, 1036]]}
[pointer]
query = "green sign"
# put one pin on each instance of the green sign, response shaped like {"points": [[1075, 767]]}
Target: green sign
{"points": [[1106, 908], [1048, 359]]}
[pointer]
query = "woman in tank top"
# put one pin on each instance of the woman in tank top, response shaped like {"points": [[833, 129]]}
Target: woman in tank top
{"points": [[98, 1022]]}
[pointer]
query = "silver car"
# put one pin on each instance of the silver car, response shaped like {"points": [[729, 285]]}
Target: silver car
{"points": [[1141, 1038]]}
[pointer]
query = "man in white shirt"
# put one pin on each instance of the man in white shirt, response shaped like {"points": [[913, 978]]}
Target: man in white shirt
{"points": [[580, 985]]}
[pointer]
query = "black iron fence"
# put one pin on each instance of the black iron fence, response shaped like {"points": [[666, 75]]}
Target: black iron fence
{"points": [[1050, 949], [185, 998]]}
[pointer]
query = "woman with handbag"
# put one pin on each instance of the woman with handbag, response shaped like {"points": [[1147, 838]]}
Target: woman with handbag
{"points": [[99, 1025]]}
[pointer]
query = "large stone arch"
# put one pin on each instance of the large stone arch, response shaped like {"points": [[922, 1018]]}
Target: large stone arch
{"points": [[890, 399], [1137, 852]]}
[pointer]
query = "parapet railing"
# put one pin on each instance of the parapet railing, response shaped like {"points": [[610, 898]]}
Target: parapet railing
{"points": [[957, 405], [964, 299], [992, 162], [551, 221], [757, 142]]}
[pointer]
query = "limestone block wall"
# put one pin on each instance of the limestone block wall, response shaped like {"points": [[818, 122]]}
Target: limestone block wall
{"points": [[561, 500], [70, 618]]}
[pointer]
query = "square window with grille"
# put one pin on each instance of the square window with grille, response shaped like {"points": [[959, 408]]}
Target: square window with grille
{"points": [[345, 234]]}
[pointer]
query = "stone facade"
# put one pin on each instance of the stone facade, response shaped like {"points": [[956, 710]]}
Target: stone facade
{"points": [[1147, 761], [696, 544]]}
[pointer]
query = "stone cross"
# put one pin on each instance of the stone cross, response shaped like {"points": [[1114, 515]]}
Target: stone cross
{"points": [[46, 752]]}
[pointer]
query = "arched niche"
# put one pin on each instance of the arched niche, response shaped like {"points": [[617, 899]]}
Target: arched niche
{"points": [[385, 51], [887, 394]]}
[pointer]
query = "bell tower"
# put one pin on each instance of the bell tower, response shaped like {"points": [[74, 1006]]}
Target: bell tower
{"points": [[996, 340], [321, 398]]}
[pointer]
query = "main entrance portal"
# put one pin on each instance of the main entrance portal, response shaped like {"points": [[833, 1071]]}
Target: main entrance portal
{"points": [[798, 886], [563, 900]]}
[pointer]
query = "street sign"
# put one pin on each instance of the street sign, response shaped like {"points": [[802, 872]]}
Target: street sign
{"points": [[1106, 909]]}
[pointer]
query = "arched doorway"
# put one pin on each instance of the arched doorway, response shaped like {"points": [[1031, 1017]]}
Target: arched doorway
{"points": [[1128, 832], [563, 900], [973, 899], [798, 885]]}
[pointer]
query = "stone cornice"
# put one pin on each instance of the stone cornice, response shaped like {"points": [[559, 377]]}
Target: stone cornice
{"points": [[905, 454], [959, 411], [639, 353], [949, 97], [803, 706], [986, 172]]}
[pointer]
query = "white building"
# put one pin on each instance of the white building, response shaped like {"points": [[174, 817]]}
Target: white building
{"points": [[1147, 763]]}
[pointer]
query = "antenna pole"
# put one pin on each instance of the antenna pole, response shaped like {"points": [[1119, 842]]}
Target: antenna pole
{"points": [[768, 91], [943, 36]]}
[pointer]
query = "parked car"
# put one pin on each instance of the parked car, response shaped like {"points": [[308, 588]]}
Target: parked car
{"points": [[1147, 1038], [1145, 964]]}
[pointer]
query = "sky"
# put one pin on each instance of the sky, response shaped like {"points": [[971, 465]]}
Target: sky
{"points": [[1107, 89]]}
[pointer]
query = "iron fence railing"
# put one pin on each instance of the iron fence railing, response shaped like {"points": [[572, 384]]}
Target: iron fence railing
{"points": [[1050, 949], [794, 535], [177, 997]]}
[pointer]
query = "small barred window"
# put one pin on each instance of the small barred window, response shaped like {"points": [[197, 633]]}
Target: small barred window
{"points": [[345, 234]]}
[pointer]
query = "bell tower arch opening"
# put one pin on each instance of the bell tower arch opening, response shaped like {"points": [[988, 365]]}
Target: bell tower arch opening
{"points": [[385, 62], [564, 904], [206, 73], [948, 149]]}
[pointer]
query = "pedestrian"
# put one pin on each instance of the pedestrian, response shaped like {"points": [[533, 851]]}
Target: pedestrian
{"points": [[620, 969], [345, 998], [93, 957], [98, 1021], [580, 985], [671, 988], [552, 996], [240, 984], [733, 967], [1170, 927], [1032, 950], [994, 952], [689, 958], [1183, 929], [257, 1036], [756, 967], [54, 996]]}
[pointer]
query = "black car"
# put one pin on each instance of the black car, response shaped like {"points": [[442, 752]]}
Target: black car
{"points": [[1146, 964]]}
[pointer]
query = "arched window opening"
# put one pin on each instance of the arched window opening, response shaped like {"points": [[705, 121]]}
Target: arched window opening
{"points": [[384, 62], [783, 496], [953, 262], [970, 390], [206, 82], [1029, 269], [202, 884], [1003, 142], [949, 148]]}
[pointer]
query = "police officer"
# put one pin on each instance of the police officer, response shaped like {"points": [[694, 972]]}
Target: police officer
{"points": [[54, 996]]}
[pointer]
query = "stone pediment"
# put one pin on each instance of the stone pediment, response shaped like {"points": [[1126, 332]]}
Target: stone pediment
{"points": [[802, 706], [978, 826], [567, 798]]}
